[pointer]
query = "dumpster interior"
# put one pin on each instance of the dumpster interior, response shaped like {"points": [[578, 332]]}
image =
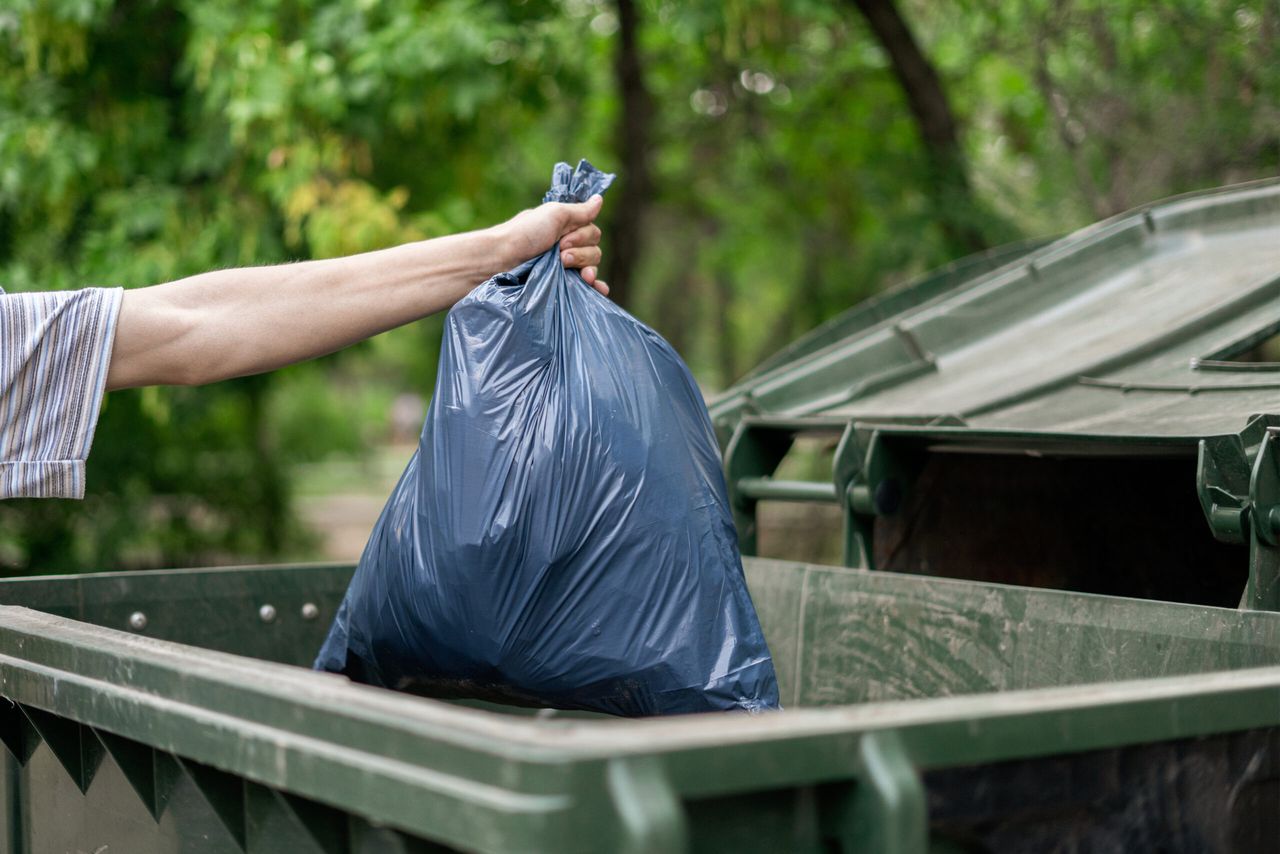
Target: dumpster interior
{"points": [[1118, 521], [838, 636], [1121, 526]]}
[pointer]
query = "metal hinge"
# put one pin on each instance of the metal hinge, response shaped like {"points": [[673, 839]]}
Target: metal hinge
{"points": [[1238, 481]]}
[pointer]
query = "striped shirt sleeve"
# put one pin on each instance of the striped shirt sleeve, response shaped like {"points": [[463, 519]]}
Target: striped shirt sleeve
{"points": [[55, 348]]}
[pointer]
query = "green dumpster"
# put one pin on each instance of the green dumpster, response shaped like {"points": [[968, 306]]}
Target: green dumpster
{"points": [[167, 711], [1096, 414], [1056, 471]]}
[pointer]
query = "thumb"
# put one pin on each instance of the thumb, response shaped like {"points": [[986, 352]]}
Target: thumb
{"points": [[582, 213]]}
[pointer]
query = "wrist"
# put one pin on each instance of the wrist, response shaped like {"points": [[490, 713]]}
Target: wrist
{"points": [[502, 248]]}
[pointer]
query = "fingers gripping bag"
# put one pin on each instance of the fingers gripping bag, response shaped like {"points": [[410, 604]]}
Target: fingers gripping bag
{"points": [[562, 535]]}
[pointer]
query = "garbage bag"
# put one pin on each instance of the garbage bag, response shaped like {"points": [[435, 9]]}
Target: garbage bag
{"points": [[562, 536]]}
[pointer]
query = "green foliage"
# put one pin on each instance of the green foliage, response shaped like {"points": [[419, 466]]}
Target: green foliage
{"points": [[144, 141], [141, 141]]}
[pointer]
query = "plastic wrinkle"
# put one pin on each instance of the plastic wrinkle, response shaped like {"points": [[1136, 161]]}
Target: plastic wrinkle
{"points": [[562, 535]]}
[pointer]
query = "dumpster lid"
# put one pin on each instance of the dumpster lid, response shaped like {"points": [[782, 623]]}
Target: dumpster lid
{"points": [[1134, 340], [1131, 327]]}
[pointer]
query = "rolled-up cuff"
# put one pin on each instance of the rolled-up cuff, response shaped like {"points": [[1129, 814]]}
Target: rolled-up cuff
{"points": [[43, 479]]}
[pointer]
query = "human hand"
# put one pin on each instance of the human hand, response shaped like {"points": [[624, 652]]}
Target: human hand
{"points": [[532, 232]]}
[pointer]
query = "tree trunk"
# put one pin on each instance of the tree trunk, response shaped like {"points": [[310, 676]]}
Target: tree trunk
{"points": [[949, 179], [623, 232], [726, 336]]}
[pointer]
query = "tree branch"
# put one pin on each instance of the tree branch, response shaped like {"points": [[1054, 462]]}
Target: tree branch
{"points": [[632, 140], [935, 121]]}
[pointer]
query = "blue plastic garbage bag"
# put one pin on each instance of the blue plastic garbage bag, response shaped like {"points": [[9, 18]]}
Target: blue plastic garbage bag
{"points": [[562, 535]]}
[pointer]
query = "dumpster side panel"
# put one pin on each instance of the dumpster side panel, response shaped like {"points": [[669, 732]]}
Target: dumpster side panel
{"points": [[204, 812], [62, 818], [1215, 794], [10, 803], [870, 637], [1209, 794], [274, 613], [328, 753], [779, 594], [839, 635], [270, 753]]}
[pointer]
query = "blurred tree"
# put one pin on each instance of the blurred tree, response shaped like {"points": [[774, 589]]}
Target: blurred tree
{"points": [[632, 140], [778, 160], [948, 172], [143, 141]]}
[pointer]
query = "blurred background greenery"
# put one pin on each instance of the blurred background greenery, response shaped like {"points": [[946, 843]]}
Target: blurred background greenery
{"points": [[778, 161]]}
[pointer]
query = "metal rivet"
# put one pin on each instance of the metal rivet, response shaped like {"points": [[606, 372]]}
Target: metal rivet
{"points": [[267, 613], [310, 611], [137, 621]]}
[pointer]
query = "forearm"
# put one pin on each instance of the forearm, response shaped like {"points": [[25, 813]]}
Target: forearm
{"points": [[231, 323]]}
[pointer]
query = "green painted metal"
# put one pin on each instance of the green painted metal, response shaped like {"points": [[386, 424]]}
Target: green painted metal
{"points": [[12, 831], [210, 607], [888, 810], [158, 744], [877, 309], [751, 457], [767, 488], [1123, 338]]}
